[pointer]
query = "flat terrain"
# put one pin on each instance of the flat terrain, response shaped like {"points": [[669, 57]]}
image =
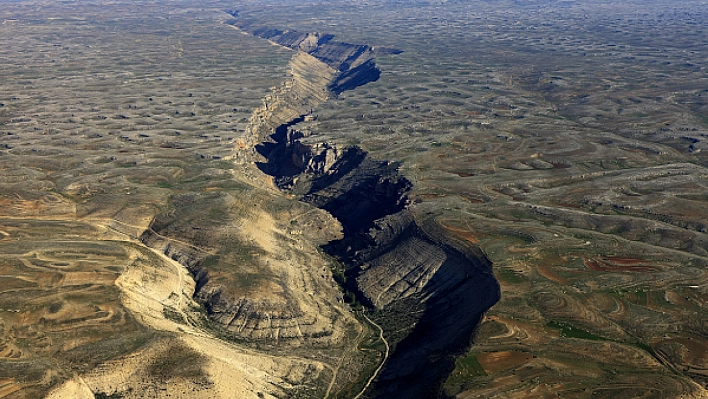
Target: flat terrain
{"points": [[567, 139]]}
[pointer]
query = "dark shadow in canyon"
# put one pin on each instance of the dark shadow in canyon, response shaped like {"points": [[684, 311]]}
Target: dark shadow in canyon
{"points": [[354, 62], [369, 198], [427, 290]]}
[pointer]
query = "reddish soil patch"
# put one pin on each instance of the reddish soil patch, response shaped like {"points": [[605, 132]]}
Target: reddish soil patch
{"points": [[625, 261], [464, 234], [472, 200], [495, 362], [547, 272], [500, 107], [560, 165], [610, 264]]}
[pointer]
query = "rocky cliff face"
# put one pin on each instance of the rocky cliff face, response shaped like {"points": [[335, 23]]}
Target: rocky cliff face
{"points": [[255, 270], [442, 288], [305, 89], [354, 63], [406, 270]]}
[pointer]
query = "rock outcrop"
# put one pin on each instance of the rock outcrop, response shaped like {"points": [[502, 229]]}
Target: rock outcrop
{"points": [[404, 270], [354, 63], [305, 89], [257, 282], [255, 272]]}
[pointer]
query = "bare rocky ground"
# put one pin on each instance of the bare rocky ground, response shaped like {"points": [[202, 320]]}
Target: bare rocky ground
{"points": [[565, 140], [117, 123]]}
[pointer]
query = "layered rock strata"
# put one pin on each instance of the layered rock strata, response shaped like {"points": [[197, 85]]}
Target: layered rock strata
{"points": [[305, 89], [254, 274], [354, 63], [402, 268]]}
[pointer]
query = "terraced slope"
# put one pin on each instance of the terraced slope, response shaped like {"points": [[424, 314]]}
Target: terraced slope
{"points": [[114, 179], [568, 142]]}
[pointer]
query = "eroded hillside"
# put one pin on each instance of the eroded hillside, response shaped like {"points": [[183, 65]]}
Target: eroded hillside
{"points": [[162, 237], [572, 156], [390, 263], [166, 182], [139, 260]]}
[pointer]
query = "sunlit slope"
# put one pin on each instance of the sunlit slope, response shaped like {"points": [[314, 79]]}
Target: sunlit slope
{"points": [[574, 157], [110, 117]]}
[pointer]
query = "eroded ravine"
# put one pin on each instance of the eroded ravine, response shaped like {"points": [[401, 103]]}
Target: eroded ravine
{"points": [[159, 291], [429, 290], [250, 259]]}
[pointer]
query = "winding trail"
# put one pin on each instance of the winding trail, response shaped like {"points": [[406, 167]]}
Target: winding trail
{"points": [[335, 370], [383, 361]]}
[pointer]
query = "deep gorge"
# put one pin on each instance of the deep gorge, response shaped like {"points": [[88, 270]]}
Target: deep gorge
{"points": [[402, 268], [428, 290], [402, 265]]}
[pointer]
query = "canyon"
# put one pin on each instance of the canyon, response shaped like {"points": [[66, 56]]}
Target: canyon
{"points": [[353, 200]]}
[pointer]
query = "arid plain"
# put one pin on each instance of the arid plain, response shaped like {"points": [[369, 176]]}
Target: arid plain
{"points": [[147, 252]]}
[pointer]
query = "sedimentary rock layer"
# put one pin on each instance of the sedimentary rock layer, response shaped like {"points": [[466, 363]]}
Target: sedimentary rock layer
{"points": [[406, 271], [255, 273], [353, 62], [394, 265]]}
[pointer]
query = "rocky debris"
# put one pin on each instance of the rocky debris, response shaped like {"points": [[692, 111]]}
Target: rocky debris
{"points": [[319, 158], [315, 159]]}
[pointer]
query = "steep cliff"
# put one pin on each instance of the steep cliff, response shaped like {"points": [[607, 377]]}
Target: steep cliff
{"points": [[354, 63], [255, 270], [305, 89], [255, 257], [426, 290]]}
